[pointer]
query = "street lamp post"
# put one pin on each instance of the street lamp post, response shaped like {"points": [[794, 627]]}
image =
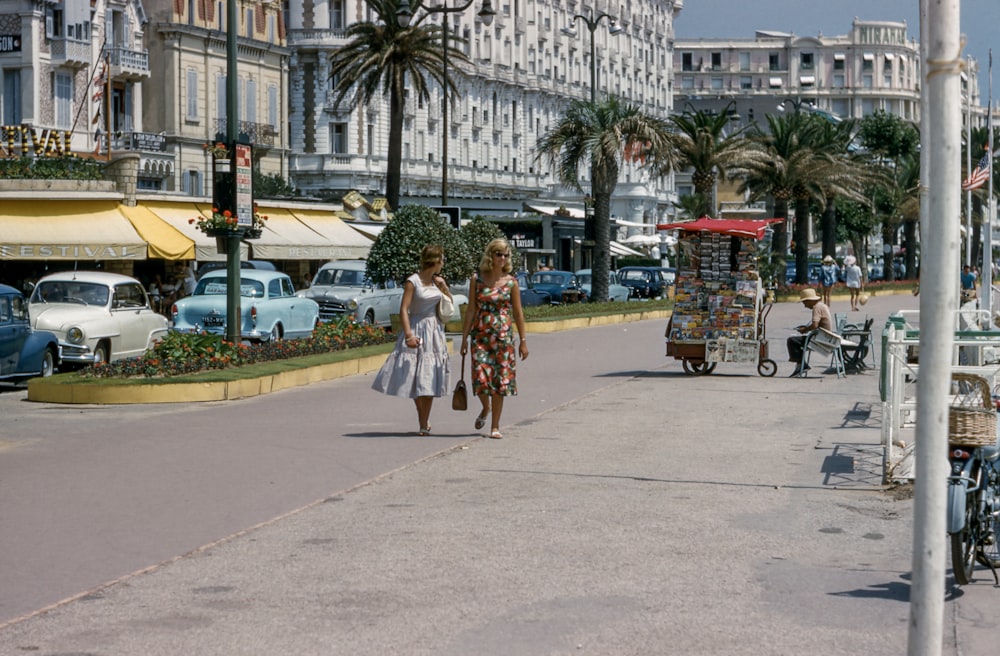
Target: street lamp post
{"points": [[404, 15], [592, 23], [589, 229]]}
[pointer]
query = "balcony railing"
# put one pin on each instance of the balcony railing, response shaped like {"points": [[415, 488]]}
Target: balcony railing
{"points": [[70, 52], [132, 64], [260, 134]]}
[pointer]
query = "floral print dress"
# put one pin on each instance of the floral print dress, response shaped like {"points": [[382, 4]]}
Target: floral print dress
{"points": [[493, 356]]}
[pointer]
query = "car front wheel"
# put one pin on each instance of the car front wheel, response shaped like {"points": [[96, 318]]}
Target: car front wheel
{"points": [[48, 363], [101, 353]]}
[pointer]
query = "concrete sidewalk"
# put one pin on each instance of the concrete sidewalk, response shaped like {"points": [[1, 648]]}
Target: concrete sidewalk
{"points": [[663, 514]]}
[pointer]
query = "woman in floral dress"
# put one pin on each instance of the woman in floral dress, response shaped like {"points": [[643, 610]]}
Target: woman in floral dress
{"points": [[494, 309], [419, 367]]}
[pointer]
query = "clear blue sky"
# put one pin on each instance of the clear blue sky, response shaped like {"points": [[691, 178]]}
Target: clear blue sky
{"points": [[980, 22]]}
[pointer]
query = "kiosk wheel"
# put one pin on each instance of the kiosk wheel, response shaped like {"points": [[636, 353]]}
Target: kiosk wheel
{"points": [[767, 367], [698, 367]]}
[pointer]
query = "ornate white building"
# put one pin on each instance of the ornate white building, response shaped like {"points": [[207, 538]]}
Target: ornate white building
{"points": [[524, 67]]}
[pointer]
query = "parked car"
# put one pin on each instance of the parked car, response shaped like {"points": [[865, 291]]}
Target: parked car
{"points": [[616, 291], [342, 287], [529, 295], [643, 282], [97, 316], [559, 285], [24, 353], [269, 308], [669, 275]]}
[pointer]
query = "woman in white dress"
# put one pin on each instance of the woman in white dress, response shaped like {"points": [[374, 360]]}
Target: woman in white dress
{"points": [[419, 367]]}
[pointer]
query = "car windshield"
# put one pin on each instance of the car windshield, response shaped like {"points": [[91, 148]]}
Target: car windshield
{"points": [[548, 279], [346, 277], [70, 291], [635, 275], [584, 278], [217, 287]]}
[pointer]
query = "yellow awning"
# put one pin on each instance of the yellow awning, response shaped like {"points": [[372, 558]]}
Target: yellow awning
{"points": [[178, 216], [284, 237], [165, 241], [67, 230], [345, 242]]}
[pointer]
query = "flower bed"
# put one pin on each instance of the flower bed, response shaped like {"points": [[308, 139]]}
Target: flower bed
{"points": [[186, 353]]}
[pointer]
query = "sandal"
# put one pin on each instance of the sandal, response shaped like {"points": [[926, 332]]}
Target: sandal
{"points": [[481, 420], [424, 432], [496, 434]]}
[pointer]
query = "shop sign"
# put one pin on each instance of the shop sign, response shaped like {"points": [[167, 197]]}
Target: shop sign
{"points": [[40, 142], [521, 241], [243, 159], [10, 43], [70, 252], [148, 141]]}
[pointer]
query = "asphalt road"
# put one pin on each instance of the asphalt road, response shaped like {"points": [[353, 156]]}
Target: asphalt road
{"points": [[630, 510]]}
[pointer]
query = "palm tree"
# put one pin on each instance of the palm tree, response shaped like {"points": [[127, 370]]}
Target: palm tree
{"points": [[603, 134], [798, 166], [382, 58], [701, 142]]}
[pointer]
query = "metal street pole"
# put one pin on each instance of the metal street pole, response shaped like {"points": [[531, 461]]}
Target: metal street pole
{"points": [[404, 15], [233, 332], [940, 132]]}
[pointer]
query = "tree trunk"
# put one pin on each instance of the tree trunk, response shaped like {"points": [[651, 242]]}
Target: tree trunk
{"points": [[394, 158], [888, 238], [830, 228], [602, 248], [802, 241], [779, 242], [910, 241]]}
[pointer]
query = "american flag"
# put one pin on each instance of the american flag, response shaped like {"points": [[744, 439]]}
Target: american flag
{"points": [[979, 175]]}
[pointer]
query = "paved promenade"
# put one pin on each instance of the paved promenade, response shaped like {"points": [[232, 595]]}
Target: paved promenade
{"points": [[652, 513]]}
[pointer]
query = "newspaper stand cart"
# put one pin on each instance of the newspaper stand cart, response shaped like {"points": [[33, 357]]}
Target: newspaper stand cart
{"points": [[719, 315]]}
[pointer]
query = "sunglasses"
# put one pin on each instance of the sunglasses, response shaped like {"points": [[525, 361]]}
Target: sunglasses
{"points": [[501, 254]]}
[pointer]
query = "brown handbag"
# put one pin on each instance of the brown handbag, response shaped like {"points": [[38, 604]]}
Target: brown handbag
{"points": [[460, 397]]}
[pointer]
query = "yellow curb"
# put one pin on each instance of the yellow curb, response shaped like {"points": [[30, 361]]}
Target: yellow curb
{"points": [[44, 391], [41, 390]]}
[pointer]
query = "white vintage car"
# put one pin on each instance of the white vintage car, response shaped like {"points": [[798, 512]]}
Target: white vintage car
{"points": [[97, 316], [342, 287]]}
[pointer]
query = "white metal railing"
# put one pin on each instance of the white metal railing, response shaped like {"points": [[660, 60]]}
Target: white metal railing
{"points": [[976, 351]]}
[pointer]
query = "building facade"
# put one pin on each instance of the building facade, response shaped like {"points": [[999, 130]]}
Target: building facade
{"points": [[874, 67], [524, 68], [187, 41]]}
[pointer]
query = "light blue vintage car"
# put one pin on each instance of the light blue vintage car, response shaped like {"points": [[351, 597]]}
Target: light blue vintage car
{"points": [[269, 307]]}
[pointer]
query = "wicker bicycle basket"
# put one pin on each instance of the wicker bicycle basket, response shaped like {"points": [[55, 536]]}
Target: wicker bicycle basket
{"points": [[972, 420]]}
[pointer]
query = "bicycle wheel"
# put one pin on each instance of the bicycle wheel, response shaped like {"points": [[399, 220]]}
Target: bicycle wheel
{"points": [[964, 544]]}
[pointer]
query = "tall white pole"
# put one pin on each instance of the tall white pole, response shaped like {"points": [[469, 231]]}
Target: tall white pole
{"points": [[968, 159], [941, 135], [986, 277]]}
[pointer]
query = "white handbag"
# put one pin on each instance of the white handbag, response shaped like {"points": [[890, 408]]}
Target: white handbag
{"points": [[445, 308]]}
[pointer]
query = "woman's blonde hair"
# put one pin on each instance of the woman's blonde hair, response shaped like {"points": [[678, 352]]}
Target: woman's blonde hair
{"points": [[431, 255], [498, 245]]}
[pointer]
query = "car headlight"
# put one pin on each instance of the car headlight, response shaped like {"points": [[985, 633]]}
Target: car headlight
{"points": [[352, 304], [75, 335]]}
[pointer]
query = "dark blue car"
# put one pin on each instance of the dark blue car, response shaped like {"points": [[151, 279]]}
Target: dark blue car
{"points": [[24, 353]]}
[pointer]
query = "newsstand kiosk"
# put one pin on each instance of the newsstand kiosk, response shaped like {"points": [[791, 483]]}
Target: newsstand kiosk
{"points": [[719, 309]]}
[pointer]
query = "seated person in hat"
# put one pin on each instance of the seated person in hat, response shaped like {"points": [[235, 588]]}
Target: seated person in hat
{"points": [[820, 319], [828, 274]]}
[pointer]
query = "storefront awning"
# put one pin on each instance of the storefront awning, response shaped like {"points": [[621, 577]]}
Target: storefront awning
{"points": [[178, 216], [369, 229], [67, 230], [286, 238], [345, 243], [165, 241], [551, 210], [617, 250]]}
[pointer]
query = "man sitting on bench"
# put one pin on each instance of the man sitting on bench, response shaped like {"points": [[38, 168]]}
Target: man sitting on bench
{"points": [[820, 319]]}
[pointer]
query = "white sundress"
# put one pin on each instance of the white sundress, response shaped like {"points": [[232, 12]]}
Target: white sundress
{"points": [[426, 369]]}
